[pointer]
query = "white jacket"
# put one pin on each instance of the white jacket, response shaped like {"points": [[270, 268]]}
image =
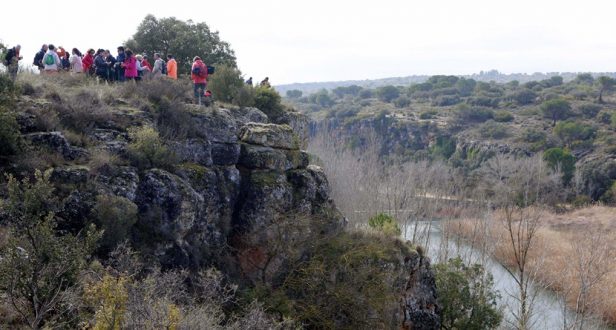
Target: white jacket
{"points": [[56, 65], [76, 64]]}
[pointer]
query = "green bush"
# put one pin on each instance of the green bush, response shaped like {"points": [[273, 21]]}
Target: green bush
{"points": [[268, 101], [464, 114], [589, 110], [10, 137], [225, 83], [446, 100], [524, 97], [503, 116], [483, 101], [8, 91], [115, 216], [570, 131], [147, 150], [532, 136], [385, 223], [467, 296], [245, 96], [444, 147], [562, 160], [387, 93], [428, 114], [402, 101], [493, 130]]}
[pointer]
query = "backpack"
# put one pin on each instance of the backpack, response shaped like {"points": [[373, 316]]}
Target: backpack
{"points": [[163, 68], [49, 60], [210, 69]]}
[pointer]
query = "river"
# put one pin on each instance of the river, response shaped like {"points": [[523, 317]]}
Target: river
{"points": [[548, 311]]}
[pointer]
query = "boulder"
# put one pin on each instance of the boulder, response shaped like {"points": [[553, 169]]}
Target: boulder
{"points": [[268, 158], [197, 151], [70, 174], [269, 135], [225, 154], [419, 306], [121, 181], [56, 142]]}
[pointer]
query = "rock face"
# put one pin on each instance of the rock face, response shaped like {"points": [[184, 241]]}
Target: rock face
{"points": [[240, 187]]}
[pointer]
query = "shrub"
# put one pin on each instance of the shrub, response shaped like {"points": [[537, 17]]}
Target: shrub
{"points": [[402, 101], [446, 100], [10, 138], [385, 223], [115, 216], [366, 93], [493, 130], [483, 101], [503, 116], [83, 111], [524, 97], [444, 147], [225, 83], [8, 90], [174, 120], [294, 94], [245, 96], [465, 113], [589, 110], [387, 93], [561, 160], [531, 135], [146, 149], [468, 299], [429, 114], [570, 131], [268, 101]]}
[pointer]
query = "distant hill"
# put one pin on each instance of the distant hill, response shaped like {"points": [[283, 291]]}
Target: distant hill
{"points": [[487, 76]]}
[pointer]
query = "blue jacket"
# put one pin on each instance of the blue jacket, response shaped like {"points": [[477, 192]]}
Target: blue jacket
{"points": [[38, 59], [101, 65]]}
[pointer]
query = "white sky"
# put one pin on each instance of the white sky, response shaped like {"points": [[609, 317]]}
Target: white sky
{"points": [[320, 40]]}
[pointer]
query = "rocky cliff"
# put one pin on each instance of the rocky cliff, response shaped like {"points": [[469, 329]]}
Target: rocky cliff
{"points": [[237, 193]]}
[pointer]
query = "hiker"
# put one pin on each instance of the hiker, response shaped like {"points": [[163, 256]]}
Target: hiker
{"points": [[198, 74], [142, 71], [38, 58], [11, 61], [157, 70], [119, 69], [100, 64], [146, 63], [265, 83], [88, 62], [172, 67], [66, 63], [75, 60], [249, 81], [111, 67], [61, 52], [51, 61], [130, 66]]}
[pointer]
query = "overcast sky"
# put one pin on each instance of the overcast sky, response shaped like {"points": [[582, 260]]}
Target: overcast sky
{"points": [[323, 40]]}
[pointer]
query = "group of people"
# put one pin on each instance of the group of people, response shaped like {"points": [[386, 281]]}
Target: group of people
{"points": [[101, 63], [124, 66]]}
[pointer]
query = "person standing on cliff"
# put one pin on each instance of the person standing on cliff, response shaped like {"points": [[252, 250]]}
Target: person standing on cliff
{"points": [[265, 83], [11, 60], [172, 67], [198, 74], [38, 58]]}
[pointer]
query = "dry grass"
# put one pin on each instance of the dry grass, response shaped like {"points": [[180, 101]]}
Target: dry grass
{"points": [[570, 249]]}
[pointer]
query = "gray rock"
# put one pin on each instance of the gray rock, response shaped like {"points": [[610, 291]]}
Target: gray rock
{"points": [[56, 142], [225, 153], [419, 306], [268, 158], [70, 174], [120, 181], [196, 151], [269, 135]]}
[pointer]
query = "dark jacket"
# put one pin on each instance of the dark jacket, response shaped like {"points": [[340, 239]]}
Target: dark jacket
{"points": [[101, 65], [38, 59], [9, 55]]}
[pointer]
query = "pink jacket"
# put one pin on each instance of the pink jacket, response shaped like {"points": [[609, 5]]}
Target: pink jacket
{"points": [[130, 67]]}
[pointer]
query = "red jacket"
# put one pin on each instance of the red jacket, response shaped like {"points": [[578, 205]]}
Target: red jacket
{"points": [[87, 62], [130, 67], [146, 64], [199, 79]]}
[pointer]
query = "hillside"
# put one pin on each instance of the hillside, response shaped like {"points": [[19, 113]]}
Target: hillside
{"points": [[466, 122], [125, 206], [484, 76]]}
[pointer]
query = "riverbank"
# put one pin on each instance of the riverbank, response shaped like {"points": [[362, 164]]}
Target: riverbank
{"points": [[571, 254]]}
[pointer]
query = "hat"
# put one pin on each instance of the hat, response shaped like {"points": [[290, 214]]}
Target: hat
{"points": [[196, 58]]}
